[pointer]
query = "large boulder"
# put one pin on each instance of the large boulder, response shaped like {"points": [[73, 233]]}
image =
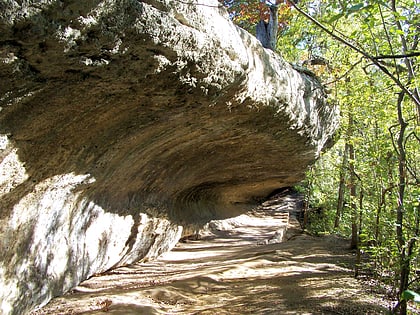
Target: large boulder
{"points": [[124, 123]]}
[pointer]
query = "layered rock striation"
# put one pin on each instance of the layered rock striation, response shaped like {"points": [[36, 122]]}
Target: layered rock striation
{"points": [[125, 124]]}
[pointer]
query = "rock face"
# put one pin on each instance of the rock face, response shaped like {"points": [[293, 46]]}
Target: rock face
{"points": [[125, 124]]}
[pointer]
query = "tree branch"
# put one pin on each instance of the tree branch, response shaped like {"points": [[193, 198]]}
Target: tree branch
{"points": [[345, 73], [388, 38], [201, 4], [408, 55], [408, 62], [360, 51]]}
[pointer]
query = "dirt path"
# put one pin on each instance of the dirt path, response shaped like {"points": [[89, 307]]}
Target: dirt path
{"points": [[241, 268]]}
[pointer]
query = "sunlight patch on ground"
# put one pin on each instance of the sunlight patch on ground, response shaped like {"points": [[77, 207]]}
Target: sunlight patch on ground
{"points": [[181, 256]]}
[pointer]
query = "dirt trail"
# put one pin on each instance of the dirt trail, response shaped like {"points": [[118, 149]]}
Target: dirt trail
{"points": [[240, 268]]}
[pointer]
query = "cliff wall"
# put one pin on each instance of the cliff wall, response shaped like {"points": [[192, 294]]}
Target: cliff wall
{"points": [[126, 124]]}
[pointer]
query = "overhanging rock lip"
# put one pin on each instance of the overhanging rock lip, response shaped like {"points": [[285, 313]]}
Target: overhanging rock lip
{"points": [[243, 59], [247, 79], [184, 119]]}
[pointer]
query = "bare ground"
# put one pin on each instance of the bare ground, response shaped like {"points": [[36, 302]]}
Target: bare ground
{"points": [[239, 268]]}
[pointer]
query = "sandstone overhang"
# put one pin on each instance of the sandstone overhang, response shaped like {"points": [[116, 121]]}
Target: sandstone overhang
{"points": [[124, 123]]}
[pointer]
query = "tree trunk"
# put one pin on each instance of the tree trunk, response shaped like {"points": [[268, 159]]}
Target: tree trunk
{"points": [[266, 32], [354, 214], [307, 200], [262, 33], [404, 258], [359, 252], [381, 204], [273, 25], [402, 164], [341, 188]]}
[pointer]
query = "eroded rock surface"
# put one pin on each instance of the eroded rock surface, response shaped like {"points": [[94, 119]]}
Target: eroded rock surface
{"points": [[124, 122]]}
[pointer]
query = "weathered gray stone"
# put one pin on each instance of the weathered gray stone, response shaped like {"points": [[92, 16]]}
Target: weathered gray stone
{"points": [[123, 122]]}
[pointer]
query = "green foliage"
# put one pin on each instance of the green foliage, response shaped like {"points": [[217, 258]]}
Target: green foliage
{"points": [[409, 295]]}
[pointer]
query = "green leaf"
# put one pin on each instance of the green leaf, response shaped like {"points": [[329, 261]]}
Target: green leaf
{"points": [[335, 18], [410, 295], [355, 8]]}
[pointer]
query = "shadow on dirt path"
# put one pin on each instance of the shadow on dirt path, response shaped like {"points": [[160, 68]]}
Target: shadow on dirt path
{"points": [[258, 263]]}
